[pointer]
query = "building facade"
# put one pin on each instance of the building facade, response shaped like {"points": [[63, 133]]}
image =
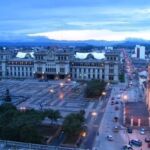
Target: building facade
{"points": [[140, 52], [49, 64], [148, 89]]}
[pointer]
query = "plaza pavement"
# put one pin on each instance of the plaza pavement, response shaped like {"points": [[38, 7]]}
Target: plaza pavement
{"points": [[67, 98]]}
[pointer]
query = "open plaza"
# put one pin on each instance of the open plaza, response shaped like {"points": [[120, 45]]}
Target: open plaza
{"points": [[65, 96]]}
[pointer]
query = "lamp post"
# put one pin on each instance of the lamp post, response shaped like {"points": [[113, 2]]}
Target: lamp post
{"points": [[94, 114], [104, 93], [61, 84]]}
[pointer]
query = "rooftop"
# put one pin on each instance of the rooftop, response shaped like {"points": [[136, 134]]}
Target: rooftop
{"points": [[95, 55], [25, 55]]}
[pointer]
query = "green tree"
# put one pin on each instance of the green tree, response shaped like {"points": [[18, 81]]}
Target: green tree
{"points": [[94, 88], [73, 124], [122, 77], [53, 115]]}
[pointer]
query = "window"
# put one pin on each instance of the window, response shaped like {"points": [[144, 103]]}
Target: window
{"points": [[111, 65], [111, 78], [111, 70], [62, 70]]}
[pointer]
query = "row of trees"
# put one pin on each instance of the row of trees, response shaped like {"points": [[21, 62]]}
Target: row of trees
{"points": [[23, 125], [94, 88]]}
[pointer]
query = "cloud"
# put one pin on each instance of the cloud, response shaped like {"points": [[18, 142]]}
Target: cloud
{"points": [[93, 34], [72, 16]]}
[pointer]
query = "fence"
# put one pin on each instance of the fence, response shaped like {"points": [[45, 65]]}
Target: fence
{"points": [[29, 146]]}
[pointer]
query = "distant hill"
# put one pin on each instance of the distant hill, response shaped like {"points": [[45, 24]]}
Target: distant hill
{"points": [[43, 41]]}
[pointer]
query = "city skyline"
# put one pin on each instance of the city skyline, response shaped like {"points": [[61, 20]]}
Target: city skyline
{"points": [[75, 20]]}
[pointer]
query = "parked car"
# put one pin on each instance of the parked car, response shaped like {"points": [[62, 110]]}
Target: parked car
{"points": [[109, 137], [142, 131], [129, 130], [148, 145], [147, 139], [135, 142], [112, 103], [127, 147]]}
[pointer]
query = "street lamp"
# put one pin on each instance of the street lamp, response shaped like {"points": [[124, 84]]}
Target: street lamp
{"points": [[83, 134], [68, 79], [103, 93], [61, 84], [125, 97], [61, 96], [51, 90], [94, 113]]}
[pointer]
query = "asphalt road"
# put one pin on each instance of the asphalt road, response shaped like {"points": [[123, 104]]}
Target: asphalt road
{"points": [[93, 125]]}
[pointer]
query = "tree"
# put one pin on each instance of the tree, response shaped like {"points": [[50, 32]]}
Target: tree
{"points": [[33, 137], [94, 88], [73, 124], [53, 115], [19, 126], [122, 77]]}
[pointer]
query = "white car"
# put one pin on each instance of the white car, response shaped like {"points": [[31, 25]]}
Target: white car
{"points": [[142, 131], [109, 138]]}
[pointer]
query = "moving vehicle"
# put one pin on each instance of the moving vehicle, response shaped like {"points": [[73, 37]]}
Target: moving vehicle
{"points": [[116, 102], [109, 137], [116, 119], [135, 142], [116, 129]]}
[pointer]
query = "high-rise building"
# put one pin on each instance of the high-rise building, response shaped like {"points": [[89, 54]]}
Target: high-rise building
{"points": [[140, 52]]}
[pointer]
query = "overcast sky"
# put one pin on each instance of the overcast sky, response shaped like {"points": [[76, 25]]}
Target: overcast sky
{"points": [[75, 19]]}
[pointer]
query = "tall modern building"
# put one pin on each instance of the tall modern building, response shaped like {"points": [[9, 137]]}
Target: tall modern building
{"points": [[140, 52], [50, 64]]}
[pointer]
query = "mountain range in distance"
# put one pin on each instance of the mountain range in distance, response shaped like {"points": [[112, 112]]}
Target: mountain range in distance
{"points": [[43, 41]]}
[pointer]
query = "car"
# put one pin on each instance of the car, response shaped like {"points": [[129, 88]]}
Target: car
{"points": [[109, 137], [116, 102], [116, 119], [127, 147], [129, 130], [147, 139], [135, 142], [148, 145], [112, 103], [116, 129], [116, 108], [112, 98], [142, 131]]}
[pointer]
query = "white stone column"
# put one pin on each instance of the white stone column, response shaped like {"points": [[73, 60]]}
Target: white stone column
{"points": [[131, 122], [139, 122]]}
